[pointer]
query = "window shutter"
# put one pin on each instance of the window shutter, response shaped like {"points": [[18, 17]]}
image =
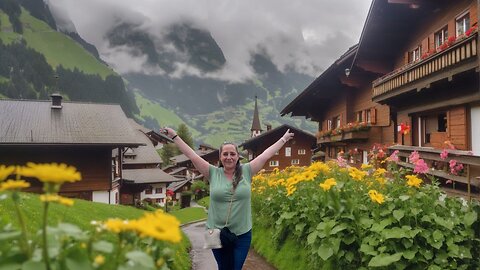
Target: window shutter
{"points": [[364, 116], [373, 116]]}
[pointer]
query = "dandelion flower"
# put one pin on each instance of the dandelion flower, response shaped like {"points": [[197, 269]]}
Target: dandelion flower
{"points": [[328, 184], [13, 185], [376, 197], [413, 181], [51, 173]]}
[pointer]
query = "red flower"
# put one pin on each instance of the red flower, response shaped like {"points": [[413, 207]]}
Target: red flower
{"points": [[169, 192], [404, 129]]}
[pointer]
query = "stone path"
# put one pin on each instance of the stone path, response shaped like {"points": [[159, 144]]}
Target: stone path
{"points": [[202, 259]]}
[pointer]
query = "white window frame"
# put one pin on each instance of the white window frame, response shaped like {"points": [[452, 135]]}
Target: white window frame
{"points": [[415, 54], [329, 124], [461, 22], [368, 116], [288, 151], [295, 161], [274, 163], [302, 151], [441, 36]]}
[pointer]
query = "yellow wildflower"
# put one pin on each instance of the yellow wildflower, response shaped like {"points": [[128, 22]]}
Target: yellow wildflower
{"points": [[381, 180], [117, 225], [366, 167], [309, 175], [329, 183], [357, 174], [291, 190], [99, 260], [379, 172], [160, 226], [13, 185], [65, 201], [51, 173], [83, 245], [49, 198], [5, 171], [413, 181], [319, 167], [376, 197], [160, 262]]}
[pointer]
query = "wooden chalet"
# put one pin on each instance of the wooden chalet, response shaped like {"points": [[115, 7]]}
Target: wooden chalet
{"points": [[182, 165], [297, 151], [142, 177], [417, 64], [78, 134]]}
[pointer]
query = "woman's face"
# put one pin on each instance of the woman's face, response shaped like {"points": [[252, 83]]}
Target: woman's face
{"points": [[229, 156]]}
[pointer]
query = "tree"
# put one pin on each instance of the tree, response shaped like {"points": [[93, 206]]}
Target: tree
{"points": [[184, 133], [170, 150]]}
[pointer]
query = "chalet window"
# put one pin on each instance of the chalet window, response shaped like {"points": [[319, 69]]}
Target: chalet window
{"points": [[359, 116], [441, 36], [295, 161], [414, 55], [159, 200], [148, 191], [329, 125], [301, 151], [158, 190], [432, 126], [336, 122], [288, 151], [463, 24], [368, 116], [274, 163]]}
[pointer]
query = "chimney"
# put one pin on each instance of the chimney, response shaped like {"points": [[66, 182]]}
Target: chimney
{"points": [[56, 101]]}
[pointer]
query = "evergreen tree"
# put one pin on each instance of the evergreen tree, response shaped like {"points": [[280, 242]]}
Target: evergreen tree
{"points": [[184, 133], [168, 151]]}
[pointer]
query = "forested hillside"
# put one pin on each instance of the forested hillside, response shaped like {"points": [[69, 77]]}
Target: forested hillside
{"points": [[36, 60]]}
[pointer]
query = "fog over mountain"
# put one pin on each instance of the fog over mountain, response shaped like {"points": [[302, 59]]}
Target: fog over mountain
{"points": [[303, 36]]}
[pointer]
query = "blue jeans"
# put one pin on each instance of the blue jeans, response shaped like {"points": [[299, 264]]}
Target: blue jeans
{"points": [[233, 258]]}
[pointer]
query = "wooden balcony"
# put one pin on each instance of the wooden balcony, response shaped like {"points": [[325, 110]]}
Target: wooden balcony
{"points": [[459, 57], [345, 137], [470, 178]]}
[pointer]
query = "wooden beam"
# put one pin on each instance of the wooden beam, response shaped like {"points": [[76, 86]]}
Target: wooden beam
{"points": [[373, 66]]}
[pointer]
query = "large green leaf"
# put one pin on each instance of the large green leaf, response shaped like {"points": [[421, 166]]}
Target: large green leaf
{"points": [[470, 218], [398, 214], [385, 259], [325, 251], [141, 258], [103, 246], [31, 265]]}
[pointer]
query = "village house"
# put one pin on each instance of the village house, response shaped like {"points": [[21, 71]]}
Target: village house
{"points": [[143, 178], [82, 135], [420, 61], [297, 152]]}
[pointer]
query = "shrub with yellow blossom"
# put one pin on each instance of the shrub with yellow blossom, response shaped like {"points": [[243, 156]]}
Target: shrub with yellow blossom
{"points": [[144, 243], [361, 218]]}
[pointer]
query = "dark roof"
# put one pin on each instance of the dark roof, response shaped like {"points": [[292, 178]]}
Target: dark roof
{"points": [[277, 132], [176, 185], [35, 122], [143, 154], [177, 170], [256, 119], [150, 175], [182, 158], [324, 88]]}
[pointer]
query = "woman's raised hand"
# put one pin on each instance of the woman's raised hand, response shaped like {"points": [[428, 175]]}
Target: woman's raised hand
{"points": [[169, 132], [288, 135]]}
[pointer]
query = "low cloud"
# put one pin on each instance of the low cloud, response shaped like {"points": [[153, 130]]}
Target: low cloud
{"points": [[306, 36]]}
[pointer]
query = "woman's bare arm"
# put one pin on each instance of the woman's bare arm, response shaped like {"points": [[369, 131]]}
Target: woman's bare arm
{"points": [[200, 164], [257, 164]]}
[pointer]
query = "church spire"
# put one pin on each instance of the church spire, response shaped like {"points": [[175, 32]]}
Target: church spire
{"points": [[256, 127]]}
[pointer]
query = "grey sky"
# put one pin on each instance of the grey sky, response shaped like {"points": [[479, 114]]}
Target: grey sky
{"points": [[307, 35]]}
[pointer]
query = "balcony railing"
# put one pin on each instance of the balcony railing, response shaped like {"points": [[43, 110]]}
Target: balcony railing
{"points": [[345, 136], [460, 52], [469, 177]]}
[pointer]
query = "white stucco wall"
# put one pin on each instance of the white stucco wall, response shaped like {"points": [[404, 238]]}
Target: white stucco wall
{"points": [[100, 196], [155, 195]]}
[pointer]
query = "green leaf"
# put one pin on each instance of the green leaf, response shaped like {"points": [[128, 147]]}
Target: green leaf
{"points": [[288, 215], [445, 223], [395, 233], [325, 252], [6, 236], [31, 265], [470, 218], [69, 229], [398, 214], [141, 258], [404, 197], [338, 228], [312, 237], [103, 246], [300, 226], [409, 254], [438, 235], [77, 259], [369, 250], [384, 259]]}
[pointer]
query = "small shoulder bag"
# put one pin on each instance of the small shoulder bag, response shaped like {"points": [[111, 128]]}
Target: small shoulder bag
{"points": [[218, 238]]}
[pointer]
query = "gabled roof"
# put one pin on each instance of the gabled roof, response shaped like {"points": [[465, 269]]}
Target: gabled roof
{"points": [[323, 88], [32, 122], [154, 136], [177, 170], [147, 176], [182, 158], [176, 185], [277, 133], [145, 154]]}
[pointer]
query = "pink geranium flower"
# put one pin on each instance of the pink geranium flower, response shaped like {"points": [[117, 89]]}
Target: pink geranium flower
{"points": [[455, 167], [394, 156], [341, 161], [420, 166], [414, 157], [444, 154]]}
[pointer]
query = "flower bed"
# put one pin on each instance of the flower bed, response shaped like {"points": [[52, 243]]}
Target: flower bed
{"points": [[349, 218]]}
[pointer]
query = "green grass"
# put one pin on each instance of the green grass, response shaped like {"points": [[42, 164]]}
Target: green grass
{"points": [[80, 214], [3, 79], [205, 202], [190, 214], [288, 256], [6, 33]]}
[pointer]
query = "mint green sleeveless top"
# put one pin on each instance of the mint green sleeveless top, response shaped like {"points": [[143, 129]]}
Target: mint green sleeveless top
{"points": [[240, 220]]}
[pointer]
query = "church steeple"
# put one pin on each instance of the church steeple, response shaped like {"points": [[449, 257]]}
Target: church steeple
{"points": [[256, 127]]}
